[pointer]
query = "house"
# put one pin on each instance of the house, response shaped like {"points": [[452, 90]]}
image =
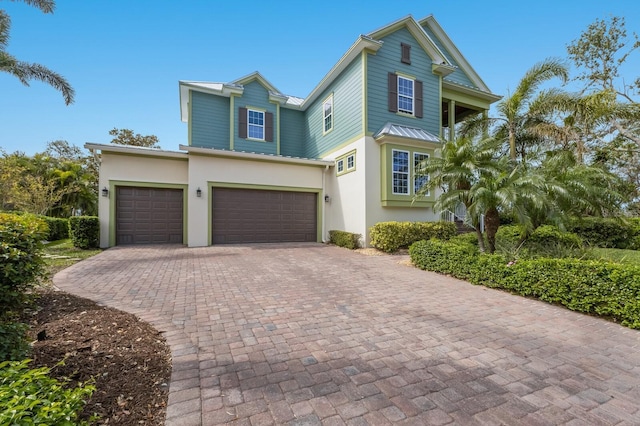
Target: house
{"points": [[262, 166]]}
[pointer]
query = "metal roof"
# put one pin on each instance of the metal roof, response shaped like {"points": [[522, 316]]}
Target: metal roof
{"points": [[391, 129]]}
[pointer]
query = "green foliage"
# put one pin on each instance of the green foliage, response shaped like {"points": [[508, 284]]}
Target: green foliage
{"points": [[32, 397], [21, 254], [465, 238], [390, 236], [603, 232], [629, 257], [127, 137], [593, 287], [85, 231], [58, 228], [345, 239], [13, 341], [545, 241]]}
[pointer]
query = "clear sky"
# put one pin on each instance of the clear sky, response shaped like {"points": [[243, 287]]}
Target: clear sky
{"points": [[124, 57]]}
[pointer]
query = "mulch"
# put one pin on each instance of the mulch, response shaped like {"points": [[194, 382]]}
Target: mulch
{"points": [[126, 359]]}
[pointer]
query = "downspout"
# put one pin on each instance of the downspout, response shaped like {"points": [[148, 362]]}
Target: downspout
{"points": [[324, 217]]}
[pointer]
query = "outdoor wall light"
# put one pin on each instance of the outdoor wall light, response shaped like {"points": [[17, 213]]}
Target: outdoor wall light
{"points": [[198, 192], [105, 192], [327, 198]]}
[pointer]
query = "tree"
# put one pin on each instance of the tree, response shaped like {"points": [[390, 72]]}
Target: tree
{"points": [[127, 137], [25, 71]]}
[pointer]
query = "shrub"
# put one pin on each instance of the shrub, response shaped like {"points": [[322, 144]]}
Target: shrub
{"points": [[545, 241], [31, 397], [85, 231], [345, 239], [603, 232], [594, 287], [390, 236], [58, 228], [13, 341], [465, 238], [22, 265]]}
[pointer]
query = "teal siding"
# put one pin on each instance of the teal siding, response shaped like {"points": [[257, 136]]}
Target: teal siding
{"points": [[209, 121], [255, 95], [458, 76], [386, 60], [291, 132], [347, 112]]}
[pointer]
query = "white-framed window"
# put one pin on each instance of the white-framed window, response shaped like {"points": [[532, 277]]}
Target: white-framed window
{"points": [[255, 124], [327, 114], [340, 166], [400, 175], [351, 161], [405, 95], [419, 181], [346, 163]]}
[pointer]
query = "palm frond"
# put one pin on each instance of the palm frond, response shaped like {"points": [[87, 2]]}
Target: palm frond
{"points": [[26, 71]]}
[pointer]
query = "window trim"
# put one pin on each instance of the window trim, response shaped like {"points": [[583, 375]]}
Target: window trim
{"points": [[340, 166], [414, 170], [412, 97], [262, 126], [407, 173], [331, 115], [344, 161]]}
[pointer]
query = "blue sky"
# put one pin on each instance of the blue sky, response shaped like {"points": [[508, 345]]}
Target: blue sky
{"points": [[124, 57]]}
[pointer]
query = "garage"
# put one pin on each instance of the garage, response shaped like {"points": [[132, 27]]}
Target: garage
{"points": [[149, 215], [242, 216]]}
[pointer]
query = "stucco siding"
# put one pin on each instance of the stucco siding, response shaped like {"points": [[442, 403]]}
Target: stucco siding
{"points": [[347, 113], [209, 121], [292, 125], [386, 60], [257, 96], [458, 75]]}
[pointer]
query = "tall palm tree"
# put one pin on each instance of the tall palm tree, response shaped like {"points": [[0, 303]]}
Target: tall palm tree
{"points": [[26, 71]]}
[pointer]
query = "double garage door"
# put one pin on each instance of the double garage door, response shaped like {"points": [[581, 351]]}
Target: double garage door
{"points": [[155, 216]]}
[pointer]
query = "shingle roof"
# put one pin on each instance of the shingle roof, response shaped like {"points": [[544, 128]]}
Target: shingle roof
{"points": [[391, 129]]}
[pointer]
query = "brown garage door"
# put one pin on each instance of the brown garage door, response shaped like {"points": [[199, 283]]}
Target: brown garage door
{"points": [[148, 215], [257, 216]]}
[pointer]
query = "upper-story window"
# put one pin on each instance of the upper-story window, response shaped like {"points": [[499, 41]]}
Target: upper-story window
{"points": [[255, 120], [327, 108], [405, 95], [405, 55]]}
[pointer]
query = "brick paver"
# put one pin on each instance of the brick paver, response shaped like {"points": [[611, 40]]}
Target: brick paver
{"points": [[307, 334]]}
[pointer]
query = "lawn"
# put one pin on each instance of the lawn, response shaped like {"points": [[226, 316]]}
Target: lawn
{"points": [[62, 254], [628, 257]]}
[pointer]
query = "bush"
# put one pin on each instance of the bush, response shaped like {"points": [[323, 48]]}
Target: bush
{"points": [[14, 345], [85, 231], [465, 238], [31, 397], [390, 236], [22, 265], [545, 241], [603, 232], [58, 228], [345, 239], [594, 287]]}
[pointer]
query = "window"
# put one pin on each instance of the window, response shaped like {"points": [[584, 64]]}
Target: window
{"points": [[340, 166], [400, 172], [418, 181], [346, 163], [255, 120], [405, 55], [351, 162], [327, 108], [405, 95]]}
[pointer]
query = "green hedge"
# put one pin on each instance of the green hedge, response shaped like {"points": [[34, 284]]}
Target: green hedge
{"points": [[14, 345], [605, 232], [545, 241], [390, 236], [58, 228], [85, 231], [31, 397], [594, 287], [345, 239]]}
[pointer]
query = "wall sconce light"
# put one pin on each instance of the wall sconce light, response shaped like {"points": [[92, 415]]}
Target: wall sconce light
{"points": [[327, 198], [198, 192], [105, 192]]}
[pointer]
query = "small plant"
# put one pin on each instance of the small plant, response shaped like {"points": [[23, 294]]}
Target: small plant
{"points": [[345, 239], [85, 231]]}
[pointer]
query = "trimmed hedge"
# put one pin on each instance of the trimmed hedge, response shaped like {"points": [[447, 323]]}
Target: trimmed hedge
{"points": [[593, 287], [345, 239], [390, 236], [85, 231], [31, 397], [58, 228], [604, 232]]}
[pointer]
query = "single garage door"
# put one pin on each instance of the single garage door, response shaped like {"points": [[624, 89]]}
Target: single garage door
{"points": [[148, 215], [259, 216]]}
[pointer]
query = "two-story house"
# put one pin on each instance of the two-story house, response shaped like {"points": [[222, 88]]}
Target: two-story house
{"points": [[262, 166]]}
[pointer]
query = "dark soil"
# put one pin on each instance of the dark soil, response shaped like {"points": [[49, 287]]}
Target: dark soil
{"points": [[126, 359]]}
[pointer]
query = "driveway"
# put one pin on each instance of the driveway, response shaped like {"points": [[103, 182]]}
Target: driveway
{"points": [[308, 334]]}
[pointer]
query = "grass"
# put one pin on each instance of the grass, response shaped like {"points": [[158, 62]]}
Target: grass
{"points": [[61, 254], [627, 257]]}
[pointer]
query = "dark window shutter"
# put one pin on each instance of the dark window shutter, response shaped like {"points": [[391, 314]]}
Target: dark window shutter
{"points": [[418, 94], [242, 123], [393, 92], [268, 126], [406, 53]]}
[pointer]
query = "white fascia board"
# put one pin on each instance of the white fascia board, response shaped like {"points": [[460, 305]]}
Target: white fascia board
{"points": [[218, 89], [133, 150], [256, 156], [471, 91], [362, 43]]}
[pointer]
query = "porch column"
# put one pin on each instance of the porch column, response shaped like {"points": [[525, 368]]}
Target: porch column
{"points": [[452, 120]]}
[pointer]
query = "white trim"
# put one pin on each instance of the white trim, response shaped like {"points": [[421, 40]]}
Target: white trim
{"points": [[412, 97], [256, 126], [241, 155], [331, 115], [134, 150]]}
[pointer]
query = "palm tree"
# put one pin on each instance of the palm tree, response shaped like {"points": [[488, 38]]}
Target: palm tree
{"points": [[26, 71]]}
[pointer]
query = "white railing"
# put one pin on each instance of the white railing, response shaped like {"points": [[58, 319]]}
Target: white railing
{"points": [[460, 214]]}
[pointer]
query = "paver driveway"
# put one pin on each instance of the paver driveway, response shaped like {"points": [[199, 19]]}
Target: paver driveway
{"points": [[312, 334]]}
